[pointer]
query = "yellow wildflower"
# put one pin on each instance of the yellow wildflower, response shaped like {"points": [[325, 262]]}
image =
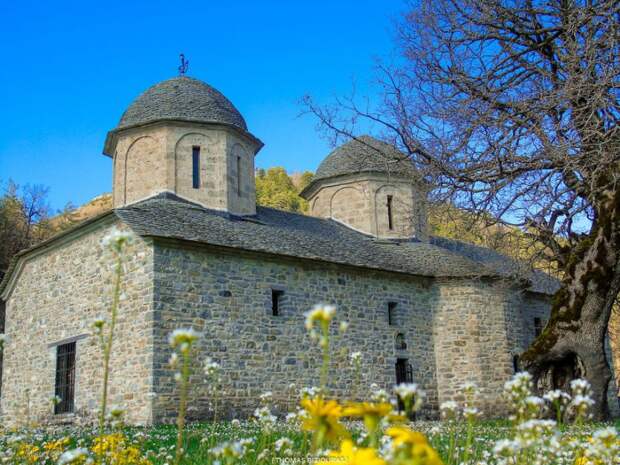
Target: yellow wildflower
{"points": [[322, 314], [57, 447], [323, 419], [361, 409], [350, 455], [401, 435], [371, 412], [28, 453], [117, 451], [412, 447]]}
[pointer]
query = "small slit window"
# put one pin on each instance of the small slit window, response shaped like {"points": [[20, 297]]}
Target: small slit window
{"points": [[276, 301], [196, 167], [65, 378], [239, 176], [391, 313], [538, 327], [389, 213]]}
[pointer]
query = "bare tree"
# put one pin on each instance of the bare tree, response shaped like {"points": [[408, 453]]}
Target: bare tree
{"points": [[511, 108]]}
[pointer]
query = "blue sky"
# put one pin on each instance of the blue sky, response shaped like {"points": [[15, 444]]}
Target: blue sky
{"points": [[71, 68]]}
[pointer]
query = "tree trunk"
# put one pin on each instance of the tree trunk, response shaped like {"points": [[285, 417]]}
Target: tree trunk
{"points": [[573, 341]]}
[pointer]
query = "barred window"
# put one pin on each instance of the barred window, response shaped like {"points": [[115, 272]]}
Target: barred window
{"points": [[65, 378]]}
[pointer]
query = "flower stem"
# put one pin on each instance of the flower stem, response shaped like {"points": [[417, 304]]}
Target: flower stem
{"points": [[107, 348], [185, 372]]}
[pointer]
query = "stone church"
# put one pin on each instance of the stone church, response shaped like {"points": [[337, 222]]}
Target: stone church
{"points": [[420, 308]]}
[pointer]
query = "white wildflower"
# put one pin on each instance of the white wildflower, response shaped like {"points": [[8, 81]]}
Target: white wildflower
{"points": [[283, 444], [556, 396], [116, 238], [264, 417], [411, 395], [449, 410], [211, 367], [580, 387], [72, 456], [183, 337], [506, 448]]}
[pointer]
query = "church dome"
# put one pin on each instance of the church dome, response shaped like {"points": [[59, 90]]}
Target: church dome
{"points": [[182, 98], [366, 154]]}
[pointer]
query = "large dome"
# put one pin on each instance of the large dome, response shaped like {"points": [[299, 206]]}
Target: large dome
{"points": [[366, 154], [182, 98]]}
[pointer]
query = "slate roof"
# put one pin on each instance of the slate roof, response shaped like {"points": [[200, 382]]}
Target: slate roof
{"points": [[283, 233], [294, 235], [182, 98], [504, 266], [366, 154]]}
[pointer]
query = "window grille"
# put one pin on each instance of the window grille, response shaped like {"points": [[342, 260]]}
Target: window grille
{"points": [[65, 378]]}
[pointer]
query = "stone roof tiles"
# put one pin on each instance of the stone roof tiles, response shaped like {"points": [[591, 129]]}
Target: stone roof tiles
{"points": [[299, 236], [182, 98], [366, 154], [283, 233]]}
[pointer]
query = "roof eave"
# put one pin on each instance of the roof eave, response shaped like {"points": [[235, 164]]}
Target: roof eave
{"points": [[16, 262], [109, 146]]}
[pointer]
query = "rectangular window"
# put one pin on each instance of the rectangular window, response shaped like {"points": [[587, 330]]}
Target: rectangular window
{"points": [[65, 378], [276, 301], [392, 313], [239, 176], [196, 167], [389, 212], [538, 326]]}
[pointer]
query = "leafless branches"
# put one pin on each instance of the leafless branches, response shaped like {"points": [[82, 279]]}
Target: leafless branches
{"points": [[509, 107]]}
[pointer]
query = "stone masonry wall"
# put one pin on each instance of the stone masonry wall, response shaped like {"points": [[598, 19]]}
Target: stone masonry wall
{"points": [[361, 203], [158, 158], [533, 306], [227, 296], [56, 298], [471, 340]]}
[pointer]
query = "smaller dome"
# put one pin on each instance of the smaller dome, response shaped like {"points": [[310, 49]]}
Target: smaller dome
{"points": [[182, 98], [366, 154]]}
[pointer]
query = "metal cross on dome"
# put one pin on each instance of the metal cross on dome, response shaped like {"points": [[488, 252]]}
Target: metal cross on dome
{"points": [[184, 65]]}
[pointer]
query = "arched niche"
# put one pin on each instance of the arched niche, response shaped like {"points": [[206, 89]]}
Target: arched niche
{"points": [[394, 212], [349, 205], [144, 170], [188, 145]]}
